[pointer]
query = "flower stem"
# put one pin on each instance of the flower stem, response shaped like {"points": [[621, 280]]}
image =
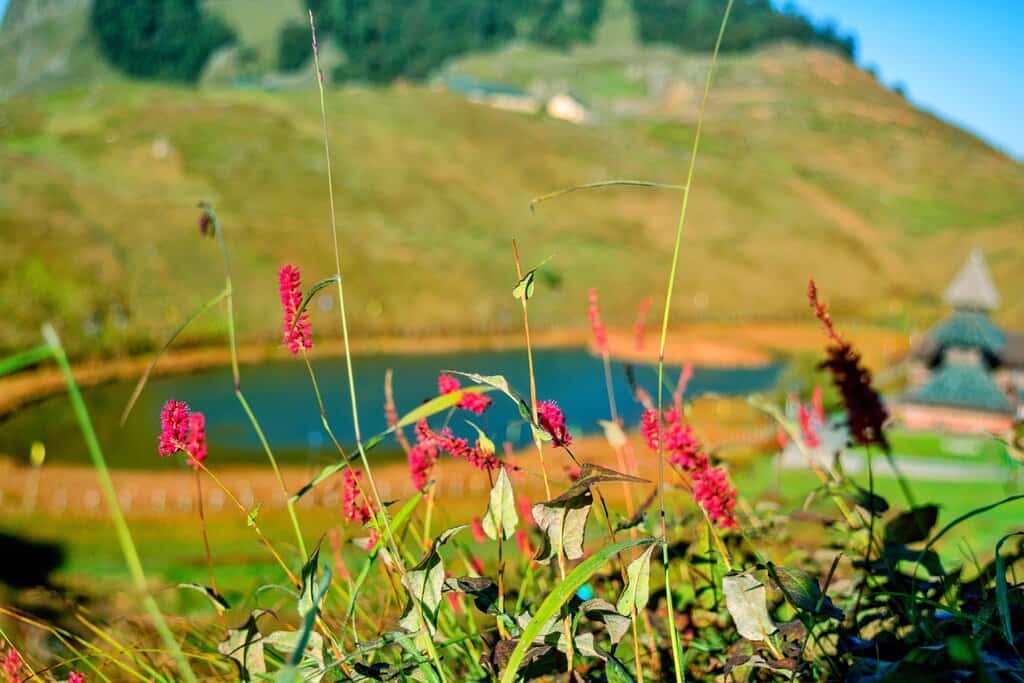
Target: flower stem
{"points": [[206, 538]]}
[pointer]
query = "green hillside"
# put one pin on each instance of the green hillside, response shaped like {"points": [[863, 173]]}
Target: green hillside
{"points": [[808, 167]]}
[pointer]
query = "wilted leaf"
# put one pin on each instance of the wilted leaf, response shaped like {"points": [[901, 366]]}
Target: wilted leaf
{"points": [[637, 589], [872, 502], [746, 598], [803, 592], [219, 603], [244, 645], [312, 663], [601, 610], [613, 433], [483, 591], [911, 526], [425, 583], [484, 441], [562, 523], [501, 517]]}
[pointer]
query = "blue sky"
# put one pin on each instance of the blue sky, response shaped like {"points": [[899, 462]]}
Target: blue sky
{"points": [[961, 59]]}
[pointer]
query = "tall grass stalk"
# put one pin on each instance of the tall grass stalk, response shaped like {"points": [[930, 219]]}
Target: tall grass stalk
{"points": [[382, 515], [537, 442], [677, 655], [124, 536]]}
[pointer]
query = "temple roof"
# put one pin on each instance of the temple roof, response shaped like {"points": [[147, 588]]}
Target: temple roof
{"points": [[962, 386], [969, 329], [972, 288]]}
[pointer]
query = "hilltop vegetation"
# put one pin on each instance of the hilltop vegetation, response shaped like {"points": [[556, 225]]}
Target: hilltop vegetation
{"points": [[808, 167]]}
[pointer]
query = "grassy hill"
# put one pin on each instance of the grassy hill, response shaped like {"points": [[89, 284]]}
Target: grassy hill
{"points": [[808, 167]]}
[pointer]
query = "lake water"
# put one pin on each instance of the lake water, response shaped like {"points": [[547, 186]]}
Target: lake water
{"points": [[282, 398]]}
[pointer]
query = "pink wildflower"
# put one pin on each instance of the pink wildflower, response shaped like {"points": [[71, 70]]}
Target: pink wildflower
{"points": [[471, 401], [681, 446], [12, 663], [684, 380], [525, 509], [712, 492], [453, 601], [817, 404], [76, 677], [371, 541], [807, 431], [638, 326], [523, 543], [196, 444], [478, 530], [552, 421], [781, 439], [477, 564], [422, 456], [573, 472], [183, 431], [173, 427], [297, 332], [596, 326], [354, 507]]}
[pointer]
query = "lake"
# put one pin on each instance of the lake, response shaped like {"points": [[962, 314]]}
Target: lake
{"points": [[282, 398]]}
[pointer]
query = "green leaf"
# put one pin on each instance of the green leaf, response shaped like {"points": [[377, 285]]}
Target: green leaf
{"points": [[425, 584], [170, 340], [24, 359], [803, 592], [218, 601], [615, 671], [250, 519], [560, 595], [309, 297], [1002, 594], [501, 519], [484, 441], [562, 523], [911, 526], [307, 594], [638, 584], [747, 601], [524, 288]]}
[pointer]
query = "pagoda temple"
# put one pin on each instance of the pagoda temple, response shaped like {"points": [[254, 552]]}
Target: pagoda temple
{"points": [[968, 374]]}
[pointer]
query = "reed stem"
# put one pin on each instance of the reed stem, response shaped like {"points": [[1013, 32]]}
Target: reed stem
{"points": [[677, 655]]}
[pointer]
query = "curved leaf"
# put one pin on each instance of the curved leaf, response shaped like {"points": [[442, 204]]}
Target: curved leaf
{"points": [[638, 584], [501, 518], [747, 601], [309, 297], [561, 594]]}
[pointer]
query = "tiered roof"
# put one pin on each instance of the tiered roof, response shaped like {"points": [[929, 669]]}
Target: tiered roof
{"points": [[962, 386]]}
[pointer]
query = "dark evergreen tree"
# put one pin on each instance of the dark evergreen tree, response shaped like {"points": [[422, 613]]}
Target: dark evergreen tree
{"points": [[693, 25], [294, 47], [161, 39]]}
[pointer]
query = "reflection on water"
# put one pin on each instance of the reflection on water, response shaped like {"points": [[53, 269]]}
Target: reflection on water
{"points": [[281, 396]]}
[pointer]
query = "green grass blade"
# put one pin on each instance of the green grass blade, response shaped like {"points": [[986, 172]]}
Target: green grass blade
{"points": [[563, 591], [290, 671], [24, 359], [170, 340], [124, 536], [600, 185], [309, 297], [1002, 593]]}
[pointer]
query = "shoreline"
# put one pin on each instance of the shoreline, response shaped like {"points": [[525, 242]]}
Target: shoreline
{"points": [[703, 344]]}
